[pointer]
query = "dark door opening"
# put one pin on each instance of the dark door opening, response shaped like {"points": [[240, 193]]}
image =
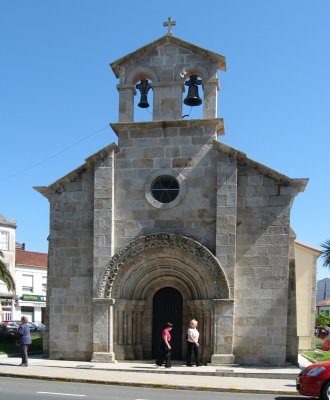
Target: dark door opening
{"points": [[167, 307]]}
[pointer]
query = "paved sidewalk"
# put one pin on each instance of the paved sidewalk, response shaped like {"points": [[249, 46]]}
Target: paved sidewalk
{"points": [[236, 379]]}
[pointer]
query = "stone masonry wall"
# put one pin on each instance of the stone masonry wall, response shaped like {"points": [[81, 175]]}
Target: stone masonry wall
{"points": [[167, 61], [71, 269], [226, 216], [103, 217], [166, 67], [185, 150], [103, 246], [262, 269]]}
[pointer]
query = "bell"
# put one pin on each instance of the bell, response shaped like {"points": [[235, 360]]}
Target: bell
{"points": [[193, 98], [143, 101], [143, 87]]}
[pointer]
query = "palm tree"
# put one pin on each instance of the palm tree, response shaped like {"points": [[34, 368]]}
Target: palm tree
{"points": [[5, 275], [325, 253]]}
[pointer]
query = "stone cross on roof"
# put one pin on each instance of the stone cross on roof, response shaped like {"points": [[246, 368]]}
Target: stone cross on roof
{"points": [[169, 24]]}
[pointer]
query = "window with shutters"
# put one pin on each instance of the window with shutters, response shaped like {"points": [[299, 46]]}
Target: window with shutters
{"points": [[27, 286]]}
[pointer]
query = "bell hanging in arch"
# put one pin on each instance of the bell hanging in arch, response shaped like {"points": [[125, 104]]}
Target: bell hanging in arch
{"points": [[193, 98], [143, 87]]}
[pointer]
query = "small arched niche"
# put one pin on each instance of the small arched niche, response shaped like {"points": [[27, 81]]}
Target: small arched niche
{"points": [[207, 91], [193, 97], [143, 100], [137, 89]]}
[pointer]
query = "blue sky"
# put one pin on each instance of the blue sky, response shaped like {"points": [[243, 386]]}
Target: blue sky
{"points": [[58, 94]]}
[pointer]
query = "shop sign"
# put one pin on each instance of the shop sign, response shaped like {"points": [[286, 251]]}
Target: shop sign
{"points": [[33, 297]]}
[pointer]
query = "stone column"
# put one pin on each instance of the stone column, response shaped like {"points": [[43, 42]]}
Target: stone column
{"points": [[201, 311], [103, 335], [167, 101], [210, 89], [223, 332], [103, 217], [126, 102], [227, 217], [120, 339]]}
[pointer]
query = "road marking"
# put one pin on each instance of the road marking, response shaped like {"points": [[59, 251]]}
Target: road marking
{"points": [[63, 394]]}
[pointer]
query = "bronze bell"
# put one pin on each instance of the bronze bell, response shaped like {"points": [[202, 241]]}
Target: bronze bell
{"points": [[193, 98], [143, 87]]}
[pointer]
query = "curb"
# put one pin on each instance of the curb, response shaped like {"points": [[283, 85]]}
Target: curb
{"points": [[151, 385], [224, 374], [309, 359]]}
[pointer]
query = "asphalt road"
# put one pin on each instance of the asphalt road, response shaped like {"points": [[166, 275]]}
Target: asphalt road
{"points": [[27, 389]]}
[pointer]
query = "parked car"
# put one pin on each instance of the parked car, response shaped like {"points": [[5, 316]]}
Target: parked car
{"points": [[40, 328], [8, 329], [314, 381]]}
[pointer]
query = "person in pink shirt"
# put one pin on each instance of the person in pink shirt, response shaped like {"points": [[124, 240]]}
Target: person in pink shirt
{"points": [[166, 347]]}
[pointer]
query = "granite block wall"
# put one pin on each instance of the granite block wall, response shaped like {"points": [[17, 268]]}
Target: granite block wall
{"points": [[185, 151], [103, 216], [70, 273], [167, 66], [262, 269]]}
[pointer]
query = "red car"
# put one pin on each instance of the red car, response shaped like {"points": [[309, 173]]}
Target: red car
{"points": [[314, 381]]}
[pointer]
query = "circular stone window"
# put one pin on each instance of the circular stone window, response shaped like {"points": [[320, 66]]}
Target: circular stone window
{"points": [[165, 189]]}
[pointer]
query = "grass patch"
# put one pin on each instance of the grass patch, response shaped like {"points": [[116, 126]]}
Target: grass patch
{"points": [[318, 356], [8, 346]]}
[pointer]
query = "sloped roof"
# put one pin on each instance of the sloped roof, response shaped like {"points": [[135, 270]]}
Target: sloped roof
{"points": [[90, 161], [142, 51], [323, 303], [244, 160], [313, 249], [241, 157], [31, 258], [7, 222]]}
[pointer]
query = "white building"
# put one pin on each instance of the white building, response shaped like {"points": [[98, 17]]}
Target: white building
{"points": [[31, 285], [7, 246], [29, 270]]}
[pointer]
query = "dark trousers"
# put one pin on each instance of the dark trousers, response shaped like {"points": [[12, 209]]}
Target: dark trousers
{"points": [[24, 353], [166, 356], [191, 347]]}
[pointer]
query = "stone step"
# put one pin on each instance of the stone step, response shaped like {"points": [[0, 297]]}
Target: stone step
{"points": [[198, 371]]}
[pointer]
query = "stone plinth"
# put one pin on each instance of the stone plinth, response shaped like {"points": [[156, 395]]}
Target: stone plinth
{"points": [[103, 357], [222, 359]]}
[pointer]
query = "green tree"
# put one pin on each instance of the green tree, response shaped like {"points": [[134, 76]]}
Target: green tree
{"points": [[322, 320], [5, 275], [325, 253]]}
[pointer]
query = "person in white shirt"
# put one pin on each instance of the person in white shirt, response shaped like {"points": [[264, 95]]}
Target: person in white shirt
{"points": [[192, 343]]}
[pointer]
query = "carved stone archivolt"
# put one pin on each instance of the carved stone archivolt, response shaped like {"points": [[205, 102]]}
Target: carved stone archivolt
{"points": [[186, 257]]}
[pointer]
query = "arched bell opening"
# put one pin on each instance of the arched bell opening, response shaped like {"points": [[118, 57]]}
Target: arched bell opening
{"points": [[143, 100], [130, 96], [207, 91], [193, 97]]}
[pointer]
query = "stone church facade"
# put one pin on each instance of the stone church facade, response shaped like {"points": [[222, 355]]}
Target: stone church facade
{"points": [[171, 224]]}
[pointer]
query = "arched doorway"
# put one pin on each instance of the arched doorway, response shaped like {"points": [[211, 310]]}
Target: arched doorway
{"points": [[167, 306], [175, 266]]}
